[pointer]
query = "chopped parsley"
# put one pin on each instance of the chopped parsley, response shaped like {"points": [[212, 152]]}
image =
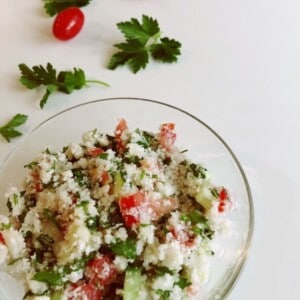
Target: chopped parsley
{"points": [[125, 248]]}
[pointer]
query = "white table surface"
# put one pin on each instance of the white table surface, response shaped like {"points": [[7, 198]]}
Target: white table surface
{"points": [[239, 72]]}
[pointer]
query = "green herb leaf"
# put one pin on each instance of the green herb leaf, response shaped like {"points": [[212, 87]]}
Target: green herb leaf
{"points": [[198, 170], [8, 131], [132, 53], [64, 81], [77, 264], [183, 282], [31, 165], [103, 155], [125, 248], [49, 277], [143, 38], [166, 51], [52, 7], [162, 270], [142, 32], [164, 294], [92, 223]]}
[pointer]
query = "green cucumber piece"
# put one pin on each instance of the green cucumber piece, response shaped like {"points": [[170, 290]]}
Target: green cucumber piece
{"points": [[118, 183], [204, 197], [133, 284]]}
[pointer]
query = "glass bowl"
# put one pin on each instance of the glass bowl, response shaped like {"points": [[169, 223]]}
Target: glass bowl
{"points": [[204, 145]]}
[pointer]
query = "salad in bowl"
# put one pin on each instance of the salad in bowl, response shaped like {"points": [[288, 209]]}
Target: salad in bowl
{"points": [[119, 214]]}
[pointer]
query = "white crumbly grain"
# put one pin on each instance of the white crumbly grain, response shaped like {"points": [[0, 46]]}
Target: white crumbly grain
{"points": [[121, 263], [17, 202], [170, 255], [164, 282], [15, 243]]}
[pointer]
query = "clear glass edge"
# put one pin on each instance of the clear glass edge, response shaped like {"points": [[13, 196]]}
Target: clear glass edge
{"points": [[241, 265]]}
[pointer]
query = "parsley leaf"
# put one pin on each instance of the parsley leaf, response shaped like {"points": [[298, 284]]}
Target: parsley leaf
{"points": [[164, 294], [142, 40], [52, 7], [132, 52], [183, 282], [8, 131], [167, 51], [134, 30], [50, 277], [125, 248], [64, 81]]}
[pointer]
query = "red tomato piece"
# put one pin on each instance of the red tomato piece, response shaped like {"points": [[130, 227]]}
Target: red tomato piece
{"points": [[68, 23], [139, 208], [167, 136], [2, 241], [161, 207], [223, 195], [37, 184], [94, 152], [85, 291], [121, 128], [104, 177], [101, 271], [130, 208]]}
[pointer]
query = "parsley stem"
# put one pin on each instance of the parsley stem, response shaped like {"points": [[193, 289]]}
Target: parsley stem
{"points": [[97, 81], [152, 40]]}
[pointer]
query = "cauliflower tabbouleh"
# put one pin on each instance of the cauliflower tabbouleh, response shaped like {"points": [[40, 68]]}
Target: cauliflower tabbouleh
{"points": [[123, 216]]}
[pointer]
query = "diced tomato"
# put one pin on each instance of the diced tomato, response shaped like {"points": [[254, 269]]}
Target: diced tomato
{"points": [[85, 291], [162, 206], [130, 208], [2, 241], [104, 177], [100, 271], [140, 207], [120, 130], [37, 184], [223, 197], [183, 237], [167, 136], [94, 152]]}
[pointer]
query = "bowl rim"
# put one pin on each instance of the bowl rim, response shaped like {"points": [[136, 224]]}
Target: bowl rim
{"points": [[248, 243]]}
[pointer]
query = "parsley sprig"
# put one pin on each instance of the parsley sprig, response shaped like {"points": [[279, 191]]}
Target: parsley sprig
{"points": [[64, 81], [143, 39], [8, 131], [52, 7]]}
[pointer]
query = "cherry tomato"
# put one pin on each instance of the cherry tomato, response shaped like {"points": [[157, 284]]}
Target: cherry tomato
{"points": [[100, 271], [68, 23]]}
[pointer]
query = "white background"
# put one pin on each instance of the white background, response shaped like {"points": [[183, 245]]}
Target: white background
{"points": [[239, 72]]}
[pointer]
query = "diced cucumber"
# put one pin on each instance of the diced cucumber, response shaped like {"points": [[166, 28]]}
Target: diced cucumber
{"points": [[133, 284], [204, 197], [56, 296], [118, 183]]}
